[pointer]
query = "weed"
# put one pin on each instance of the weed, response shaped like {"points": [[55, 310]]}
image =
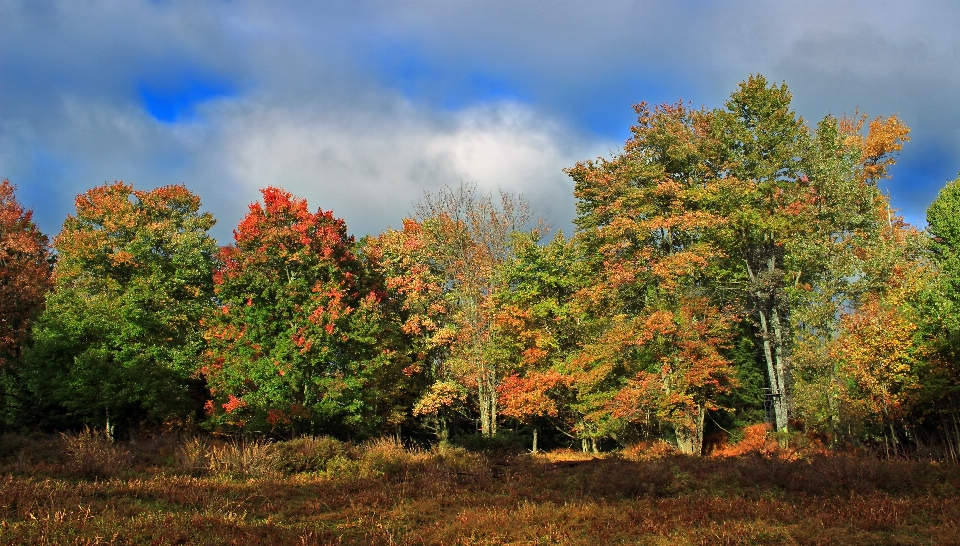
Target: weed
{"points": [[308, 454], [93, 454], [241, 459], [193, 456], [382, 493]]}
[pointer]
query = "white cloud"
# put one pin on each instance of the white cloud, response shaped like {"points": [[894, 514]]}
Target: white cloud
{"points": [[370, 169], [320, 109]]}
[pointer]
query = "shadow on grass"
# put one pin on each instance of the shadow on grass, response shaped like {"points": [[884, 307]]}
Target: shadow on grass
{"points": [[321, 492]]}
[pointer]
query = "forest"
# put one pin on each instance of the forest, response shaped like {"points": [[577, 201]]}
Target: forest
{"points": [[730, 267]]}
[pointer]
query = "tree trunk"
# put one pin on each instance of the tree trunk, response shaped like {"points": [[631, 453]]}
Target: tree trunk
{"points": [[487, 394], [534, 450], [780, 354], [443, 430], [690, 435], [484, 408], [773, 344], [108, 431]]}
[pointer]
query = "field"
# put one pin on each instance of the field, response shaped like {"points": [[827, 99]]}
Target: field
{"points": [[82, 489]]}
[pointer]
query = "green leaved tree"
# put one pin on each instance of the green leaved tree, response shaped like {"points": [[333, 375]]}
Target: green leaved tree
{"points": [[299, 343], [120, 337]]}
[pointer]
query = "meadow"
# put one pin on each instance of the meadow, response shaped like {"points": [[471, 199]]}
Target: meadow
{"points": [[84, 489]]}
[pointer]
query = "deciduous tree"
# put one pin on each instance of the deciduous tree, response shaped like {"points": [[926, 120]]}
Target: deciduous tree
{"points": [[120, 336], [24, 274], [298, 343], [470, 237]]}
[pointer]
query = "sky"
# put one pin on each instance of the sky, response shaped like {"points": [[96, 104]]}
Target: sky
{"points": [[362, 106]]}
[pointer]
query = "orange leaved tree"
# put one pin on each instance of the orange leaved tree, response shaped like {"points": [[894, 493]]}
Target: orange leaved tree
{"points": [[24, 274]]}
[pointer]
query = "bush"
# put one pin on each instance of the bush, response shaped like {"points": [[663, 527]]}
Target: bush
{"points": [[385, 457], [31, 454], [502, 443], [308, 454], [242, 459], [193, 457], [92, 453]]}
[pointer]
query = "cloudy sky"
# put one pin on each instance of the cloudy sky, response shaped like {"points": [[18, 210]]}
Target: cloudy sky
{"points": [[361, 106]]}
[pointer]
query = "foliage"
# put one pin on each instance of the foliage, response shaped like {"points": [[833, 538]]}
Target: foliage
{"points": [[120, 334], [651, 215], [730, 265], [468, 238], [307, 454], [418, 302], [542, 321], [943, 218], [24, 274], [299, 343]]}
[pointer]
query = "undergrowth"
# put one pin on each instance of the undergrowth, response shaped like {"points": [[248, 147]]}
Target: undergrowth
{"points": [[86, 489]]}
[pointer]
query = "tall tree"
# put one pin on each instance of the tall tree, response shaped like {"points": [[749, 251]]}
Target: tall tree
{"points": [[792, 198], [735, 205], [943, 219], [651, 214], [470, 237], [542, 321], [25, 266], [299, 343], [847, 253], [120, 336], [419, 302], [941, 312], [755, 153]]}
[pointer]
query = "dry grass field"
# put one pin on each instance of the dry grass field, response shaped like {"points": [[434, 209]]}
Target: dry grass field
{"points": [[83, 489]]}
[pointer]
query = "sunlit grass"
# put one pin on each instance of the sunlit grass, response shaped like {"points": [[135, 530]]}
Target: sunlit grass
{"points": [[320, 491]]}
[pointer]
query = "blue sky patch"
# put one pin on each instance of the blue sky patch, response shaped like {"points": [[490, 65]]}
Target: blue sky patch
{"points": [[176, 101], [403, 67]]}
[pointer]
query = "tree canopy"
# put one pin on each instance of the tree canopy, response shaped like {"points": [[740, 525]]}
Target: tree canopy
{"points": [[730, 265]]}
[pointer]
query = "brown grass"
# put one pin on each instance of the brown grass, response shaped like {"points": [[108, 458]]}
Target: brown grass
{"points": [[381, 493], [92, 453]]}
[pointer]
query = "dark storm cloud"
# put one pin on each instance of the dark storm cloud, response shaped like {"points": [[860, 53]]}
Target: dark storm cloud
{"points": [[361, 106]]}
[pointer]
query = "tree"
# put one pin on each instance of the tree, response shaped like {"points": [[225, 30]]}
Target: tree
{"points": [[791, 195], [298, 343], [469, 237], [651, 214], [755, 149], [733, 208], [941, 312], [687, 371], [24, 274], [416, 300], [943, 219], [541, 323], [120, 336], [25, 265]]}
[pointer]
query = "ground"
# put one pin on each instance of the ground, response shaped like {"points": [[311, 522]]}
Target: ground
{"points": [[318, 491]]}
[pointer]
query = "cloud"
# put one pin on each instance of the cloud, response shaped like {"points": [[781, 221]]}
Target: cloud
{"points": [[370, 169], [361, 106]]}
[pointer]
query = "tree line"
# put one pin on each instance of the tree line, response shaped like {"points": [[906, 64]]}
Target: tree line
{"points": [[729, 266]]}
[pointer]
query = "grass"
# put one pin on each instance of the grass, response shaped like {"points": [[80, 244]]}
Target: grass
{"points": [[320, 491]]}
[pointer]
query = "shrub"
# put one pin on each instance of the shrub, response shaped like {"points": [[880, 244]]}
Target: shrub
{"points": [[242, 459], [193, 457], [91, 453], [386, 457], [502, 443], [648, 450], [308, 454]]}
